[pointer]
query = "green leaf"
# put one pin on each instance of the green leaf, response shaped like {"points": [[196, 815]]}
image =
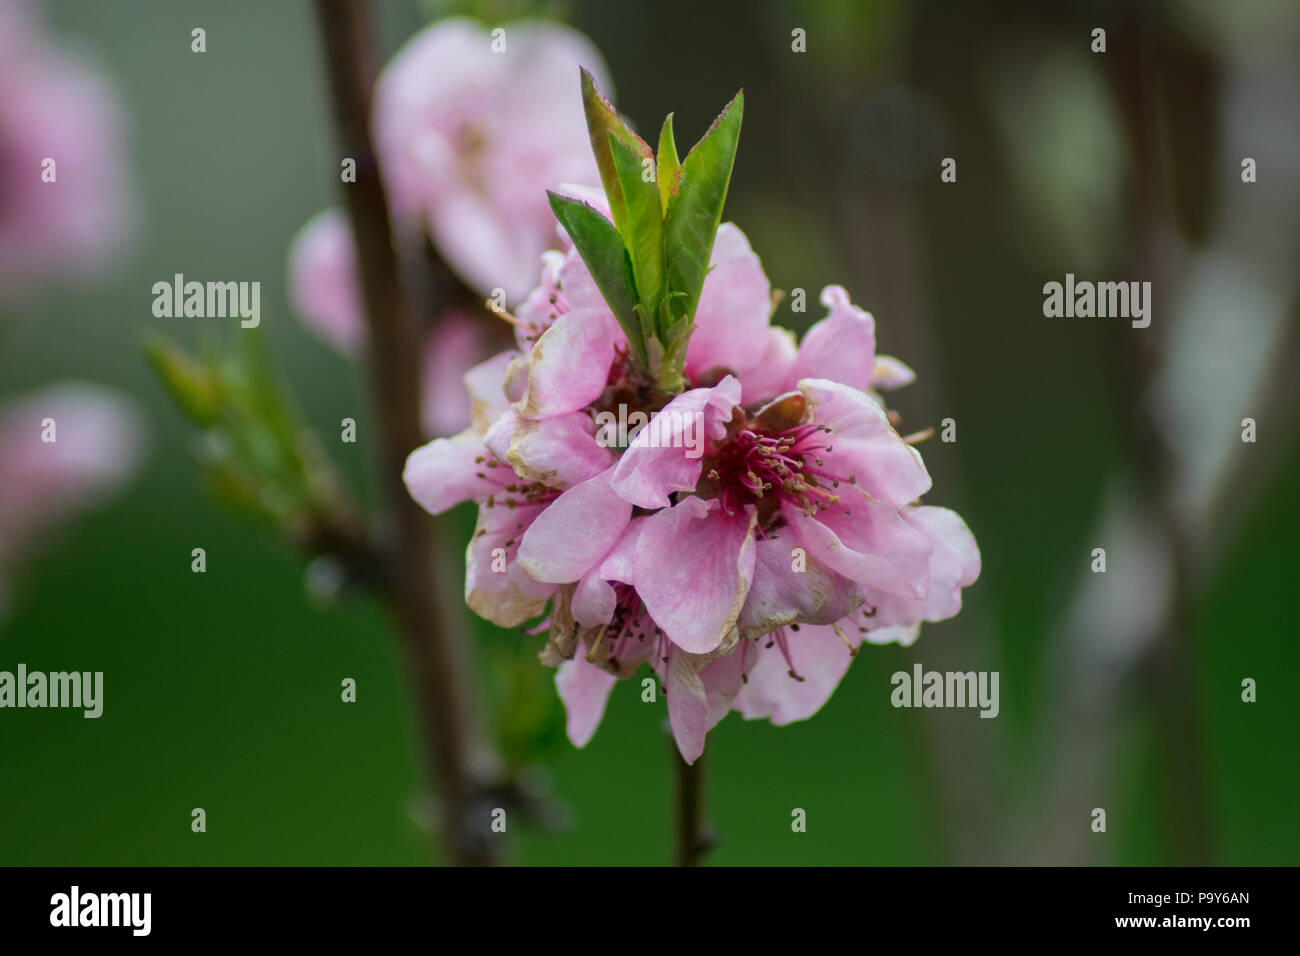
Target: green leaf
{"points": [[602, 124], [601, 248], [667, 166], [643, 224], [694, 214]]}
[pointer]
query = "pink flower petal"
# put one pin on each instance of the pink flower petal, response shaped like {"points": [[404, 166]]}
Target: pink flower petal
{"points": [[873, 546], [445, 472], [781, 595], [819, 656], [767, 378], [864, 445], [659, 461], [889, 373], [688, 705], [584, 688], [735, 304], [693, 569], [723, 679], [569, 365], [905, 635], [560, 451], [516, 382], [954, 564], [543, 305], [579, 288], [485, 383], [841, 347], [574, 532], [496, 586], [593, 600]]}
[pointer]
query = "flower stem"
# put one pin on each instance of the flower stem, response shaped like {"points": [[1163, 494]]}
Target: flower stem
{"points": [[439, 663], [693, 836]]}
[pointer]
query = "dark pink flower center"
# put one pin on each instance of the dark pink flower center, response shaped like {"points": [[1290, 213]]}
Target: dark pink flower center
{"points": [[754, 465], [630, 635]]}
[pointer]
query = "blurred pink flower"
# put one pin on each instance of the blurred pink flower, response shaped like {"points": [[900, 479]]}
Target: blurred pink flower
{"points": [[472, 130], [54, 105], [97, 445], [323, 289], [469, 141], [455, 343]]}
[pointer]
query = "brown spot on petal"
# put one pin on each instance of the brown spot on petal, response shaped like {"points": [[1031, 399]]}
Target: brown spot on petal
{"points": [[783, 413], [711, 377]]}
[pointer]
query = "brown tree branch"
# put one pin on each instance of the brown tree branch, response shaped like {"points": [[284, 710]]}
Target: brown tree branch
{"points": [[438, 661], [693, 837]]}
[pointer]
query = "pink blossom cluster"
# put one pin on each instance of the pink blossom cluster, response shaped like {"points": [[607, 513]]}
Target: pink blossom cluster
{"points": [[746, 577]]}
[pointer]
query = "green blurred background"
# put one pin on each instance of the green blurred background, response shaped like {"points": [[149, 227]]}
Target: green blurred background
{"points": [[222, 689]]}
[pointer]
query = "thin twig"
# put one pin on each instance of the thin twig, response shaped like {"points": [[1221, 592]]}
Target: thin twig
{"points": [[443, 679], [693, 838]]}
